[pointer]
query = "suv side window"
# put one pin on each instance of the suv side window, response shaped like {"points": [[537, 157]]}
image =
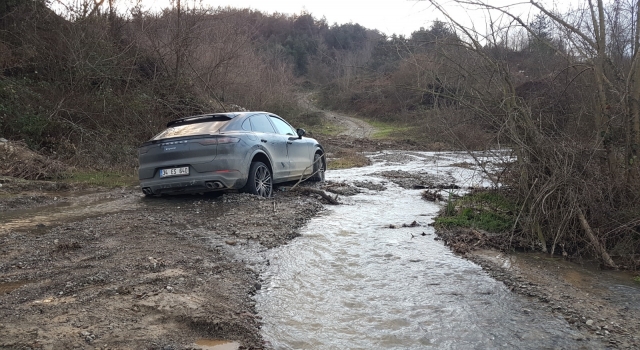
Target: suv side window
{"points": [[261, 123], [282, 126], [246, 125]]}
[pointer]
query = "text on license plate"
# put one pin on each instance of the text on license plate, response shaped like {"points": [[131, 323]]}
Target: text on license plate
{"points": [[174, 171]]}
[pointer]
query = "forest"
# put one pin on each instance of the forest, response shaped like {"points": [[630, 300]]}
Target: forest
{"points": [[560, 90]]}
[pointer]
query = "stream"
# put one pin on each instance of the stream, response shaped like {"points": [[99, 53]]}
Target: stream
{"points": [[362, 276]]}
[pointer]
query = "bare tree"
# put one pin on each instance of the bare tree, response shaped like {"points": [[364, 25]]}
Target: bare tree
{"points": [[569, 191]]}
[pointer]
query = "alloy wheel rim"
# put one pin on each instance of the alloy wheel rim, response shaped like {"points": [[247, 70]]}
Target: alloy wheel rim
{"points": [[263, 181]]}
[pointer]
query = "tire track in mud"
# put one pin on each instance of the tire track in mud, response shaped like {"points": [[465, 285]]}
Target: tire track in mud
{"points": [[117, 270], [67, 210]]}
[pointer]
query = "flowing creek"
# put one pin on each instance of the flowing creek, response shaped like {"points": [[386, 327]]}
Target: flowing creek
{"points": [[351, 281]]}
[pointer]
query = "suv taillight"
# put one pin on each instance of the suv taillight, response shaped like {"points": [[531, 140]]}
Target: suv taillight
{"points": [[218, 140]]}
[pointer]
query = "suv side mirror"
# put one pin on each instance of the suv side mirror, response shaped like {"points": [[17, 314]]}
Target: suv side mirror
{"points": [[301, 132]]}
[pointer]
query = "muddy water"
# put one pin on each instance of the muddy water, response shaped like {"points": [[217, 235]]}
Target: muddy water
{"points": [[75, 207], [618, 287], [80, 206], [211, 344], [352, 282]]}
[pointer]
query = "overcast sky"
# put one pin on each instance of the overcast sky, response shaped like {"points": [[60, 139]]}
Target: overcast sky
{"points": [[400, 17], [388, 16]]}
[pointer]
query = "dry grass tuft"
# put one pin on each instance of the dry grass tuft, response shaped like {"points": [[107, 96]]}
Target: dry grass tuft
{"points": [[344, 158], [17, 160]]}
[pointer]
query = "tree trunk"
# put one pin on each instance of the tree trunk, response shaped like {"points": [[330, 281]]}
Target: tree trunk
{"points": [[537, 229], [594, 240], [633, 125], [178, 41], [633, 141]]}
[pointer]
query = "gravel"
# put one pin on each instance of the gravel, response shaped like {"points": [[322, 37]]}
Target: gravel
{"points": [[114, 269]]}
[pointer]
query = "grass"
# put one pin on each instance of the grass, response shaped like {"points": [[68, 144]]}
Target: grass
{"points": [[343, 163], [387, 130], [101, 178], [486, 210], [636, 279], [327, 129]]}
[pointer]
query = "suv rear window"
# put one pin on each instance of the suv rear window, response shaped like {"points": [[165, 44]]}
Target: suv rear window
{"points": [[205, 128]]}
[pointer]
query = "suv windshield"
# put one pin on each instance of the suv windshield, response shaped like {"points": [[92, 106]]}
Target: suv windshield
{"points": [[205, 128]]}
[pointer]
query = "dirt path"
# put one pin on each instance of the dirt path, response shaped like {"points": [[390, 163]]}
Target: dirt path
{"points": [[117, 270], [353, 127]]}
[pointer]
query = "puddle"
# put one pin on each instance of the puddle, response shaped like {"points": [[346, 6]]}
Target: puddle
{"points": [[211, 344], [617, 286], [39, 218], [8, 287], [578, 279], [351, 281]]}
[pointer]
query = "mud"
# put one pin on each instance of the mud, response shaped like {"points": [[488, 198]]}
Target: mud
{"points": [[115, 270], [18, 193]]}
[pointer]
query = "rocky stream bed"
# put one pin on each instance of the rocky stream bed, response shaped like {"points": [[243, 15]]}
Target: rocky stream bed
{"points": [[110, 269]]}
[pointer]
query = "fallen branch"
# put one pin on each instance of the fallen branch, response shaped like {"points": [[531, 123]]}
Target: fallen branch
{"points": [[594, 240], [308, 191], [302, 178]]}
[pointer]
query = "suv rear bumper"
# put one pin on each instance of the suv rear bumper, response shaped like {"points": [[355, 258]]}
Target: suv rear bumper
{"points": [[194, 183]]}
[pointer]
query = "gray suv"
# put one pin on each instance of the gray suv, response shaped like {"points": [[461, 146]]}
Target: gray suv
{"points": [[249, 151]]}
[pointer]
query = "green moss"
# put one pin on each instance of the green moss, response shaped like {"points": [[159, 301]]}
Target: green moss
{"points": [[488, 210], [341, 164], [636, 279]]}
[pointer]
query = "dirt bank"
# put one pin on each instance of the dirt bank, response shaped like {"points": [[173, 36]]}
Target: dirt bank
{"points": [[116, 270]]}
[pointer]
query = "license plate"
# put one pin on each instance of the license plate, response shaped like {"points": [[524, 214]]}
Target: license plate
{"points": [[174, 172]]}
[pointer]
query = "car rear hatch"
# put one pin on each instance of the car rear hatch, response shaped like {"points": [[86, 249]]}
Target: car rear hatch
{"points": [[182, 144]]}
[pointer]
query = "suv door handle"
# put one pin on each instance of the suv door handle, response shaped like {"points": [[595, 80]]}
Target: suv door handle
{"points": [[263, 140], [289, 143]]}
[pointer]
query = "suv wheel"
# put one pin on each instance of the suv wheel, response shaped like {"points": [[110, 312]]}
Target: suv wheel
{"points": [[318, 168], [260, 181]]}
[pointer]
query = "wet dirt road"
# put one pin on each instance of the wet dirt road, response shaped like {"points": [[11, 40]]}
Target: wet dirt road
{"points": [[349, 126], [115, 270]]}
